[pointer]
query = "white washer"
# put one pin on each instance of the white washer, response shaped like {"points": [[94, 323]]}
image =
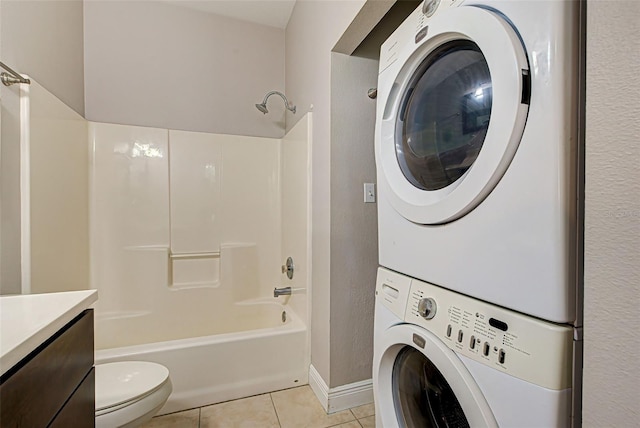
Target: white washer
{"points": [[443, 359], [477, 153]]}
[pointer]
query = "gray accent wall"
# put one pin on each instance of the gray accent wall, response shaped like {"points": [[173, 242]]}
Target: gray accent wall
{"points": [[152, 63], [354, 224], [612, 216], [44, 39]]}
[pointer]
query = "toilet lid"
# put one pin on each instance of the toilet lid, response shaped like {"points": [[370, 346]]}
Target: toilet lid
{"points": [[121, 382]]}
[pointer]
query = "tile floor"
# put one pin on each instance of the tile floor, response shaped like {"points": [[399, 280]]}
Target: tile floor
{"points": [[290, 408]]}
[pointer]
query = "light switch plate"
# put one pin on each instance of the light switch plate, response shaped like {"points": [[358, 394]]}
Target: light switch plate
{"points": [[369, 193]]}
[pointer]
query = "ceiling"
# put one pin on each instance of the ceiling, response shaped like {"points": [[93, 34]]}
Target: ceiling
{"points": [[274, 13]]}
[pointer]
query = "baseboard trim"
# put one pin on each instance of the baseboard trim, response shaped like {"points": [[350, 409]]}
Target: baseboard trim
{"points": [[319, 387], [342, 397]]}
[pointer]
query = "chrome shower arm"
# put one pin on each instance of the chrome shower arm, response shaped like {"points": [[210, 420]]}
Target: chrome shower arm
{"points": [[264, 110]]}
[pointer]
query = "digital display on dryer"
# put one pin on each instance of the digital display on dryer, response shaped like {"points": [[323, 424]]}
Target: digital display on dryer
{"points": [[500, 325]]}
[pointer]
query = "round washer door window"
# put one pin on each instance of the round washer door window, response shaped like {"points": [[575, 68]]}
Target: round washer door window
{"points": [[455, 110], [421, 395], [420, 382], [444, 116]]}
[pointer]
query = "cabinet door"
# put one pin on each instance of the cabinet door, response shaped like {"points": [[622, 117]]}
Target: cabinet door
{"points": [[80, 410], [35, 390]]}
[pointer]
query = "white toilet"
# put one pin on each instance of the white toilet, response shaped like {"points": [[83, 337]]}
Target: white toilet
{"points": [[129, 393]]}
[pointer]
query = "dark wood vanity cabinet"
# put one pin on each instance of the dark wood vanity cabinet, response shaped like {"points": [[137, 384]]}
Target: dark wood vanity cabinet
{"points": [[53, 386]]}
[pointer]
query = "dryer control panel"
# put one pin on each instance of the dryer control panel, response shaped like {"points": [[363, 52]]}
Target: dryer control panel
{"points": [[409, 35], [537, 351]]}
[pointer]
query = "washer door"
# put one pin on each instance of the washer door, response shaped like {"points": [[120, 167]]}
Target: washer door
{"points": [[454, 116], [426, 382]]}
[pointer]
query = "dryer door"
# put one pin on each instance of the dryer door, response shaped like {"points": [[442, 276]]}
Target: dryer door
{"points": [[422, 383], [454, 116]]}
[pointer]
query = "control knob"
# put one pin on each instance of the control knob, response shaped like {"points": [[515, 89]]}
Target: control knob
{"points": [[429, 7], [427, 308]]}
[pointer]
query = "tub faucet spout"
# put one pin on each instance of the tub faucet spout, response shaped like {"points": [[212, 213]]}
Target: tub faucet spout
{"points": [[284, 291]]}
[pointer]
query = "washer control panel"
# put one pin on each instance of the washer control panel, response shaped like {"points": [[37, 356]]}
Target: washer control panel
{"points": [[525, 347]]}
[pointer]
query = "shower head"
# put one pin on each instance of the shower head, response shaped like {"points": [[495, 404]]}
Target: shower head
{"points": [[263, 107]]}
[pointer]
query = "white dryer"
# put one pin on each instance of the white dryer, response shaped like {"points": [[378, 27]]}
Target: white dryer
{"points": [[442, 359], [477, 154]]}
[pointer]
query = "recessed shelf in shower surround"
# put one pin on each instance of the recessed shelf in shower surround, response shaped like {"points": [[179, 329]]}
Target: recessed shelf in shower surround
{"points": [[234, 269], [194, 270]]}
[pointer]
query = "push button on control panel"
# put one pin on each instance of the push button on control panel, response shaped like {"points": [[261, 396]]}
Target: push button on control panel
{"points": [[472, 342], [485, 349], [460, 334], [501, 356], [449, 330]]}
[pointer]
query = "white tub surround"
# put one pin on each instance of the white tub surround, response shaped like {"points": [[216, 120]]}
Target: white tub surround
{"points": [[188, 233], [177, 216], [29, 320]]}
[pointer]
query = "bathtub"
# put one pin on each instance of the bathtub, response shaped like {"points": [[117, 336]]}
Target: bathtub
{"points": [[266, 350]]}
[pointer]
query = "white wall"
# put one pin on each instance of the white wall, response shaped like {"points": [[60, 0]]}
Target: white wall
{"points": [[156, 64], [59, 194], [44, 40], [56, 218], [314, 28], [612, 216], [10, 223]]}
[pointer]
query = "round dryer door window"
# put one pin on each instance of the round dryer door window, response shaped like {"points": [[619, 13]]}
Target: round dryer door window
{"points": [[445, 115], [454, 115]]}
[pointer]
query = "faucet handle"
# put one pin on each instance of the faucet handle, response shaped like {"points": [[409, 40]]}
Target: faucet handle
{"points": [[288, 268]]}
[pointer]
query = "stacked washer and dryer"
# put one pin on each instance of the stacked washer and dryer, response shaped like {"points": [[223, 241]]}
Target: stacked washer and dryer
{"points": [[477, 317]]}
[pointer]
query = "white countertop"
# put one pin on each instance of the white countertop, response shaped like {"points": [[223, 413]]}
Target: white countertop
{"points": [[28, 320]]}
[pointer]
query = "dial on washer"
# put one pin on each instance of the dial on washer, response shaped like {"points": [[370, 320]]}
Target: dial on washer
{"points": [[427, 308]]}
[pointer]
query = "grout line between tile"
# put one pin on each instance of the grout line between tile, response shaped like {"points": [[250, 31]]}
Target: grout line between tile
{"points": [[275, 410], [342, 423], [199, 416]]}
